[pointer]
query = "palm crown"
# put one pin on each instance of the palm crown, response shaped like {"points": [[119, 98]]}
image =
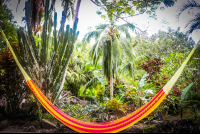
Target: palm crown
{"points": [[192, 24], [110, 44]]}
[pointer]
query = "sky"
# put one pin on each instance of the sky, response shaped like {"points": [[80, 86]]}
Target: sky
{"points": [[89, 18]]}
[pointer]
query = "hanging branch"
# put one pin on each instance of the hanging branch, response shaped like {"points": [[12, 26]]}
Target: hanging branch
{"points": [[123, 18], [101, 5]]}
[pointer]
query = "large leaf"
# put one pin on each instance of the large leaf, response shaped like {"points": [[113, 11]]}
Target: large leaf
{"points": [[142, 81], [148, 91], [133, 82], [186, 90]]}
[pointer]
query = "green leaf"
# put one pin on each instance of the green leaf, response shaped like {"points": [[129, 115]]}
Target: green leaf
{"points": [[142, 81], [175, 98], [162, 8], [127, 10], [132, 11], [119, 86], [133, 82], [99, 12], [112, 10], [186, 90], [103, 16], [148, 91], [144, 99], [134, 3]]}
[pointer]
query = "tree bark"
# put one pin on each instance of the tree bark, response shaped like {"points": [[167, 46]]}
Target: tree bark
{"points": [[111, 87], [84, 94]]}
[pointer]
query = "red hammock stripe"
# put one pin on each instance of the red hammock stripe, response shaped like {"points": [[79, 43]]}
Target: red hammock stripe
{"points": [[96, 127], [113, 126]]}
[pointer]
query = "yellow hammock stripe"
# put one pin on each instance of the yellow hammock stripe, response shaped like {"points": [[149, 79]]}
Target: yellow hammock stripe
{"points": [[107, 127]]}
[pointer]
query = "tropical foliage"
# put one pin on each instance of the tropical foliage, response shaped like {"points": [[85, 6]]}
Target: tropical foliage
{"points": [[114, 76], [45, 56], [110, 44], [8, 24], [12, 84]]}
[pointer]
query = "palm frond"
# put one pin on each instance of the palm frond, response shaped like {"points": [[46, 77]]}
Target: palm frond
{"points": [[93, 34], [116, 48], [128, 44], [102, 26], [68, 74], [98, 56], [138, 74], [187, 5], [91, 83], [96, 50], [69, 8], [125, 27], [127, 49], [193, 24], [130, 67], [125, 31]]}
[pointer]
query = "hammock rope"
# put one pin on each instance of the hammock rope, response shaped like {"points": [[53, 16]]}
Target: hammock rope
{"points": [[106, 127]]}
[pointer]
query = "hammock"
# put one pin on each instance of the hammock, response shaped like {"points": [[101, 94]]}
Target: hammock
{"points": [[107, 127]]}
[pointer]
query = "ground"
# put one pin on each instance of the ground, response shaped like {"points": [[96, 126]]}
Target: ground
{"points": [[173, 124]]}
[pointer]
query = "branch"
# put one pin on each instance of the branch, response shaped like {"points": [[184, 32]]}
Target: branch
{"points": [[130, 15], [114, 6], [132, 24], [101, 5], [138, 13], [125, 20]]}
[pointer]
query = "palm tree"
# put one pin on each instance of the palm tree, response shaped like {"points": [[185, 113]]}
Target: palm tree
{"points": [[112, 46], [194, 23]]}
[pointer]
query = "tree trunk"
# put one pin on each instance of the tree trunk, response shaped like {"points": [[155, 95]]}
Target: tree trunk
{"points": [[84, 94], [111, 87], [75, 17]]}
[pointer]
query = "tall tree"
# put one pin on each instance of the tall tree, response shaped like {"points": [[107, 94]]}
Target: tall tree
{"points": [[118, 10], [110, 45]]}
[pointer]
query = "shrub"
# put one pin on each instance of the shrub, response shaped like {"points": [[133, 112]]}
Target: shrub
{"points": [[12, 84]]}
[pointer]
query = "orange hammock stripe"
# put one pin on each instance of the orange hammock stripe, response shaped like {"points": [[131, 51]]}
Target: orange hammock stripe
{"points": [[106, 127], [116, 125]]}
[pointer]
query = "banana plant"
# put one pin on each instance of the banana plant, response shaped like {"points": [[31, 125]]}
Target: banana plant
{"points": [[183, 97], [46, 61], [182, 101], [139, 88]]}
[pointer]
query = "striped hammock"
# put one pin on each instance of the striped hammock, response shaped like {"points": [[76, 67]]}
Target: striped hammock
{"points": [[107, 127]]}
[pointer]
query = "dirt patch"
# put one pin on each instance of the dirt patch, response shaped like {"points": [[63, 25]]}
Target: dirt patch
{"points": [[21, 126], [172, 125]]}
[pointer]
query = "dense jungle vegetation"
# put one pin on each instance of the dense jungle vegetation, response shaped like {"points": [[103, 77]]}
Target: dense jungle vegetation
{"points": [[97, 82]]}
